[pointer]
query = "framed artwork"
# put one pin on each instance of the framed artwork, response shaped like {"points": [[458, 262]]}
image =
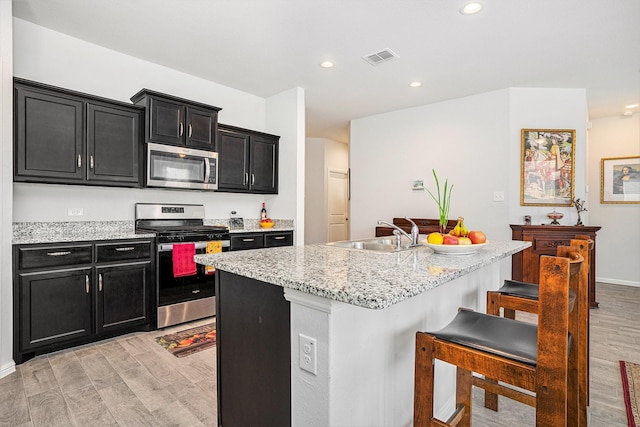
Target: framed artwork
{"points": [[620, 180], [547, 167]]}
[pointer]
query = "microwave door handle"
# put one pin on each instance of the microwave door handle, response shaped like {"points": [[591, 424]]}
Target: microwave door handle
{"points": [[207, 170]]}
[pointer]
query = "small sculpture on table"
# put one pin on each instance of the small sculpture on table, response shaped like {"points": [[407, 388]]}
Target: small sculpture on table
{"points": [[579, 204], [555, 216]]}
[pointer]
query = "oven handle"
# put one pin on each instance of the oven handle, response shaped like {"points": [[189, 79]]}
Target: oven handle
{"points": [[165, 247]]}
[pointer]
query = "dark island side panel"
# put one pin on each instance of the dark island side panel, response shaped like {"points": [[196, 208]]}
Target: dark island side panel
{"points": [[253, 352]]}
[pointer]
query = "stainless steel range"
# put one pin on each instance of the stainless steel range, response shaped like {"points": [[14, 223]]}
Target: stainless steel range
{"points": [[181, 297]]}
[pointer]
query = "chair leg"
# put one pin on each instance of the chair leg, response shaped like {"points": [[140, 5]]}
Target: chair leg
{"points": [[423, 385], [493, 307], [463, 395]]}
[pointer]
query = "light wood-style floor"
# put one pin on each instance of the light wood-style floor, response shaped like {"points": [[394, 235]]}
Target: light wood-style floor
{"points": [[133, 381]]}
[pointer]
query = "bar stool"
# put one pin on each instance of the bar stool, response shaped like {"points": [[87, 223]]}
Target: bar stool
{"points": [[520, 296], [525, 355]]}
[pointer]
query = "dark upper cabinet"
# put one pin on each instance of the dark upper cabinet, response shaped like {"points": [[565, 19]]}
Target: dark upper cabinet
{"points": [[48, 134], [177, 121], [67, 137], [247, 161]]}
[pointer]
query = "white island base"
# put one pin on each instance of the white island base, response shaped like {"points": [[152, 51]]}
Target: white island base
{"points": [[365, 358]]}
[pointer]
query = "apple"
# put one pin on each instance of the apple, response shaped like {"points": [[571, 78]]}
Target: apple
{"points": [[435, 238], [464, 241], [448, 239], [477, 237]]}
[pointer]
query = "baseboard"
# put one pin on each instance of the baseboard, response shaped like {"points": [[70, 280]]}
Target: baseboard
{"points": [[617, 282], [8, 369]]}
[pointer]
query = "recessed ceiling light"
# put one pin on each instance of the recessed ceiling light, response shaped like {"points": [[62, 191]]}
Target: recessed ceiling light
{"points": [[471, 7], [627, 113], [631, 106], [327, 64], [415, 84]]}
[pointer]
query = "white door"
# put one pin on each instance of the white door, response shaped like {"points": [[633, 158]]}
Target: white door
{"points": [[338, 205]]}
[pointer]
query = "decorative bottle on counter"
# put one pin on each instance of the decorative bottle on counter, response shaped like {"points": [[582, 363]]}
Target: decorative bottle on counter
{"points": [[263, 213]]}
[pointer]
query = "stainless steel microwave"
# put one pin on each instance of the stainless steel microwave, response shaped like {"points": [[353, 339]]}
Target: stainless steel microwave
{"points": [[171, 166]]}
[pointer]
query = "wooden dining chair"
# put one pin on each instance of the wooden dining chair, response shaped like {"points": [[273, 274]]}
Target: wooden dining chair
{"points": [[533, 357], [520, 296]]}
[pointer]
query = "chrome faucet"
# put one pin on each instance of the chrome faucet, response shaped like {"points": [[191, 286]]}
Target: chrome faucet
{"points": [[415, 231]]}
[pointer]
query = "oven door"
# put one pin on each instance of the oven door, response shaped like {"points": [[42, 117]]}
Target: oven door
{"points": [[179, 167], [173, 290]]}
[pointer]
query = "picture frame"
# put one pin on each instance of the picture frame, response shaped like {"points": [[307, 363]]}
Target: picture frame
{"points": [[547, 167], [620, 180]]}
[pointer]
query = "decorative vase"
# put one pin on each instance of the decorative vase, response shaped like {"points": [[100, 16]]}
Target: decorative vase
{"points": [[555, 216]]}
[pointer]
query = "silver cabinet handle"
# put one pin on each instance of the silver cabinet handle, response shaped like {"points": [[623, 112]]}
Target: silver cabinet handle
{"points": [[181, 128], [197, 291], [100, 282], [190, 130], [253, 179], [79, 161], [60, 253], [248, 240], [86, 283], [91, 161], [246, 178], [278, 238], [125, 249]]}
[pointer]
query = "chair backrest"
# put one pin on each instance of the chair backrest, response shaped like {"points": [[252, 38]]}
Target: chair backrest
{"points": [[557, 275]]}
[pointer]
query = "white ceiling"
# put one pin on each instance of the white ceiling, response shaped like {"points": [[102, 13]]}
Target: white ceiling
{"points": [[264, 47]]}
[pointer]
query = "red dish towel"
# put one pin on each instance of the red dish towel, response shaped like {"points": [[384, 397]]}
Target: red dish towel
{"points": [[183, 264]]}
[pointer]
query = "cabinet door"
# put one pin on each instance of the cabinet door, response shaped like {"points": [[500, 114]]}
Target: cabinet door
{"points": [[233, 160], [48, 136], [166, 122], [113, 144], [201, 128], [264, 165], [123, 295], [54, 307]]}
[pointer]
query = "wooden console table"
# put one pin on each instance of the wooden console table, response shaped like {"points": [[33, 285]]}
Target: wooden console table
{"points": [[544, 240]]}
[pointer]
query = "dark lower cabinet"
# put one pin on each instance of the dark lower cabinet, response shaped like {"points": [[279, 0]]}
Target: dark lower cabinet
{"points": [[253, 352], [68, 294], [123, 295], [268, 239], [54, 307]]}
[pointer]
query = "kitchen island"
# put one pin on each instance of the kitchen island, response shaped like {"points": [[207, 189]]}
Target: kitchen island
{"points": [[359, 309]]}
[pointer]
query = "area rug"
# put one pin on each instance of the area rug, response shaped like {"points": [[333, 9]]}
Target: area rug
{"points": [[631, 386], [189, 341]]}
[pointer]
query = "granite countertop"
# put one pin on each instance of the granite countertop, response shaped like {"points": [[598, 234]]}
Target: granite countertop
{"points": [[81, 231], [73, 231], [362, 278]]}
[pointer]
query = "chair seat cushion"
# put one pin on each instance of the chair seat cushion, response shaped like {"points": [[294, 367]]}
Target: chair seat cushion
{"points": [[528, 291], [504, 337]]}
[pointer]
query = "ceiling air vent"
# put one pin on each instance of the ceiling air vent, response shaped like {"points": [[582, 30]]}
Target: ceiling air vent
{"points": [[380, 57]]}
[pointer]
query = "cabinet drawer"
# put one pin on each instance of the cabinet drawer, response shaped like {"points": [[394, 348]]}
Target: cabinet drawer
{"points": [[278, 239], [122, 251], [548, 245], [247, 241], [53, 256]]}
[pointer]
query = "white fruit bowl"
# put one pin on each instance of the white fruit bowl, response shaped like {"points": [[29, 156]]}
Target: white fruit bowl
{"points": [[456, 249]]}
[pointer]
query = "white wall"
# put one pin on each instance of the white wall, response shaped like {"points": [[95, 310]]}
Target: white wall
{"points": [[618, 249], [54, 58], [465, 140], [322, 155], [6, 189]]}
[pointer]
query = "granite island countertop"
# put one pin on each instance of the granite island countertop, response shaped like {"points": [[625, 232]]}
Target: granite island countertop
{"points": [[363, 278]]}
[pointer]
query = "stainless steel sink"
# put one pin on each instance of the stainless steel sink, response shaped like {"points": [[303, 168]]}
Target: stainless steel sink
{"points": [[378, 244]]}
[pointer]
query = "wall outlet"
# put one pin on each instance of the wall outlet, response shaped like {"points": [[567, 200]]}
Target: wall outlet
{"points": [[75, 212], [498, 196], [307, 354]]}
